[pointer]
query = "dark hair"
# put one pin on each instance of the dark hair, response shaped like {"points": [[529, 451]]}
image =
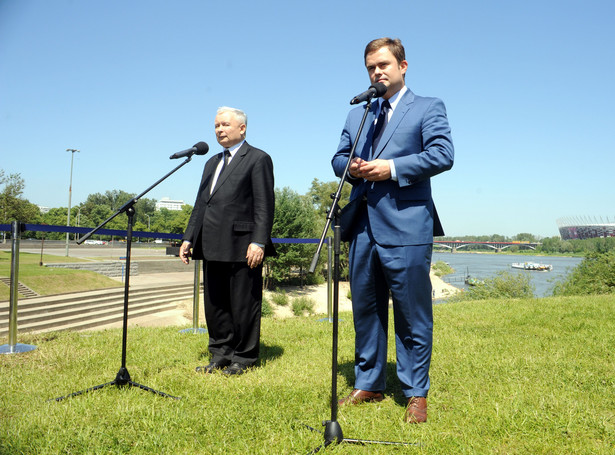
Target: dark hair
{"points": [[394, 45]]}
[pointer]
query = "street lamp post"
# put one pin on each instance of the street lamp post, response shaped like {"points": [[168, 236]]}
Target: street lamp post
{"points": [[70, 191]]}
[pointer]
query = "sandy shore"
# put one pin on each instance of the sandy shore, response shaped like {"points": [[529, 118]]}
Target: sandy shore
{"points": [[318, 294], [182, 315]]}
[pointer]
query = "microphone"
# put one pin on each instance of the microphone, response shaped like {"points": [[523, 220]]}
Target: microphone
{"points": [[200, 148], [374, 91]]}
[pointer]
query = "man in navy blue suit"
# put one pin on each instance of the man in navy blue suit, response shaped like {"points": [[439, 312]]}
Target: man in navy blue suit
{"points": [[406, 141]]}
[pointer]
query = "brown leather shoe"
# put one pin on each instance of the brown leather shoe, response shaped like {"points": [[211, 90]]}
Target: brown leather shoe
{"points": [[361, 396], [416, 412]]}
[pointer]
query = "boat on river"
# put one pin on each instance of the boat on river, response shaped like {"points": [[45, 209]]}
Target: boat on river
{"points": [[534, 266], [471, 281]]}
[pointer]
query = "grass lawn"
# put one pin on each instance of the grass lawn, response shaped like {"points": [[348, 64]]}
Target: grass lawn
{"points": [[508, 377], [49, 281]]}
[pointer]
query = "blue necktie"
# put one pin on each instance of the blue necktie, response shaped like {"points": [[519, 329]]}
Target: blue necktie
{"points": [[382, 119]]}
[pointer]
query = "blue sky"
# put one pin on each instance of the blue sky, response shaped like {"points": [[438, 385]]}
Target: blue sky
{"points": [[528, 87]]}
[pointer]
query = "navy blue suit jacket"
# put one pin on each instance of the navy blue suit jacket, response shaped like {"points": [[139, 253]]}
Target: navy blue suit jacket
{"points": [[418, 140]]}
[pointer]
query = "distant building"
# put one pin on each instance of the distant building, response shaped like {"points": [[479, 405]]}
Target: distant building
{"points": [[43, 209], [169, 204], [585, 228]]}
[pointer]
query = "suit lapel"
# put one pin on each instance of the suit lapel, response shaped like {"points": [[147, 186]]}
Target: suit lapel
{"points": [[402, 108], [228, 170], [208, 176]]}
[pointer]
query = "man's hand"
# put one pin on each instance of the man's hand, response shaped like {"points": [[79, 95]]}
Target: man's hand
{"points": [[374, 171], [185, 252], [255, 255]]}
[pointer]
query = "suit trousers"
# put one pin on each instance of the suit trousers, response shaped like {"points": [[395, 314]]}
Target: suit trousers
{"points": [[403, 272], [233, 301]]}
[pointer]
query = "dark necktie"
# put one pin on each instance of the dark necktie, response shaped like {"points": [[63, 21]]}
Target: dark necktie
{"points": [[382, 119], [225, 160]]}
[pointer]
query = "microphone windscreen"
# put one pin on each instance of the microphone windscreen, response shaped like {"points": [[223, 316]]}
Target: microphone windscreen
{"points": [[201, 148], [381, 89]]}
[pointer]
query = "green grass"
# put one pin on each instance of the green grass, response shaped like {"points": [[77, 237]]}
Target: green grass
{"points": [[531, 376], [441, 268], [280, 298], [49, 281], [302, 305]]}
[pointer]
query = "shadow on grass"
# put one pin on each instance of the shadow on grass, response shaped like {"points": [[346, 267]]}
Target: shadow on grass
{"points": [[267, 354]]}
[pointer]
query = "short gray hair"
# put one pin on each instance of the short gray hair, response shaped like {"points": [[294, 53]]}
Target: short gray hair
{"points": [[238, 113]]}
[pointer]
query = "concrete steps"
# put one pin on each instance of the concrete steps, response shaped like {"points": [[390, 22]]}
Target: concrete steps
{"points": [[21, 288], [85, 310]]}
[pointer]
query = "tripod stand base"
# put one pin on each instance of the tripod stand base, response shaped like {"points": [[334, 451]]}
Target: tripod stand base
{"points": [[16, 348], [121, 379], [333, 435], [196, 331]]}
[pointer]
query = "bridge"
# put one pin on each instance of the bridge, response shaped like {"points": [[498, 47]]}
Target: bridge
{"points": [[455, 245]]}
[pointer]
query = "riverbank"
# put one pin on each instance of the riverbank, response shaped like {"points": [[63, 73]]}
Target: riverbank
{"points": [[514, 253], [316, 293], [484, 266]]}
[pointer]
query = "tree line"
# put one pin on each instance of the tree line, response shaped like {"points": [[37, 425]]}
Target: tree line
{"points": [[546, 245], [296, 216]]}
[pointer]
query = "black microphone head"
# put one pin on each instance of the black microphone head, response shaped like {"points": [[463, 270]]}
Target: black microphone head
{"points": [[381, 89], [201, 148]]}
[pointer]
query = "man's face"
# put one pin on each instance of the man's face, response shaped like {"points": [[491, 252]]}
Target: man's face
{"points": [[382, 66], [229, 131]]}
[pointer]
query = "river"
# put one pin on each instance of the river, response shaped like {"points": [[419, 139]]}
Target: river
{"points": [[487, 265]]}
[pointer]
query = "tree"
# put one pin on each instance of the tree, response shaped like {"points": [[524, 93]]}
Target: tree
{"points": [[525, 237], [12, 206], [54, 217], [98, 207], [294, 218], [320, 193], [174, 221]]}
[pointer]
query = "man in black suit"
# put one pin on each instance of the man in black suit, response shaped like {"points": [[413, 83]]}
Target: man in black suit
{"points": [[230, 230]]}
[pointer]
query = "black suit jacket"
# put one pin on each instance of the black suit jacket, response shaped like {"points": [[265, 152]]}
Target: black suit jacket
{"points": [[238, 212]]}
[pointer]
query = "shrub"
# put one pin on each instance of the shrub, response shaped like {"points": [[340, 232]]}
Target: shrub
{"points": [[266, 310], [280, 298], [441, 268], [301, 305], [594, 275], [503, 285]]}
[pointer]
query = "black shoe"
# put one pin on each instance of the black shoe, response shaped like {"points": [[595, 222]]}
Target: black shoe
{"points": [[235, 368], [213, 366]]}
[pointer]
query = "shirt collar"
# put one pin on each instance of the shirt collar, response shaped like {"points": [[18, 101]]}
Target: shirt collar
{"points": [[394, 100], [232, 150]]}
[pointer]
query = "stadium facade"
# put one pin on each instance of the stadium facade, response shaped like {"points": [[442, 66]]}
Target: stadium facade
{"points": [[585, 227]]}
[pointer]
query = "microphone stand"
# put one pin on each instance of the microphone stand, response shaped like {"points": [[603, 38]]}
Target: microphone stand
{"points": [[333, 431], [123, 377]]}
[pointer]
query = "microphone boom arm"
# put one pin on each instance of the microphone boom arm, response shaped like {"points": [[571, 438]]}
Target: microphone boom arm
{"points": [[132, 202], [338, 194]]}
